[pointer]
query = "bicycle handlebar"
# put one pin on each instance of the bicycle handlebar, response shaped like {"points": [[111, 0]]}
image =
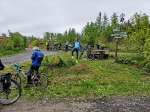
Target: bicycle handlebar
{"points": [[18, 66]]}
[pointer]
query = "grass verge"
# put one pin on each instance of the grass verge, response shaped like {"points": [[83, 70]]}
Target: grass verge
{"points": [[92, 79], [10, 52]]}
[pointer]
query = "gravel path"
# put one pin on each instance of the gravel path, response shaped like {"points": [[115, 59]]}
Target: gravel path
{"points": [[19, 58], [115, 104]]}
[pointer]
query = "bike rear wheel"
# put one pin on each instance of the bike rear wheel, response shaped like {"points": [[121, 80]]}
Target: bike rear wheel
{"points": [[11, 95], [42, 81]]}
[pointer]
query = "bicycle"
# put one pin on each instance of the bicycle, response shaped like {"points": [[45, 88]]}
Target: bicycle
{"points": [[20, 75], [10, 90], [37, 78]]}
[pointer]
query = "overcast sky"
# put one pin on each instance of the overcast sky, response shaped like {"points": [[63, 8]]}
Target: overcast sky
{"points": [[34, 17]]}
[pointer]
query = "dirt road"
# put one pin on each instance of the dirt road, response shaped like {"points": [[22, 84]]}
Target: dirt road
{"points": [[115, 104]]}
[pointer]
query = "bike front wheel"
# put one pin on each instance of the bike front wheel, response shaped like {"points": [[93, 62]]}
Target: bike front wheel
{"points": [[11, 94]]}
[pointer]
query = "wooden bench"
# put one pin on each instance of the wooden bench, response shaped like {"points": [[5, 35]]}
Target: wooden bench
{"points": [[98, 54]]}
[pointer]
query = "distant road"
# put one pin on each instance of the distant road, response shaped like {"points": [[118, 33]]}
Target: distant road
{"points": [[19, 58]]}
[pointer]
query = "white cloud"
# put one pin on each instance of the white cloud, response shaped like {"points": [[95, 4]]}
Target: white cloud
{"points": [[38, 16]]}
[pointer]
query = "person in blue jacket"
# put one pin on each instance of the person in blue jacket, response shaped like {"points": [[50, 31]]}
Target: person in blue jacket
{"points": [[37, 57], [76, 49]]}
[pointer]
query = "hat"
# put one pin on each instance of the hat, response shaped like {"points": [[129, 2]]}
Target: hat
{"points": [[35, 49]]}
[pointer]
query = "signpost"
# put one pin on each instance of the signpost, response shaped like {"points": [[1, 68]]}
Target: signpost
{"points": [[117, 34]]}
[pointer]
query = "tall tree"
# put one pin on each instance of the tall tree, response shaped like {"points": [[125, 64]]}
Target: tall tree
{"points": [[140, 31], [90, 33], [47, 36], [72, 35], [99, 20], [105, 22], [114, 21]]}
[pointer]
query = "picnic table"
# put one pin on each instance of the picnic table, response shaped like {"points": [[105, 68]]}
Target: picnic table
{"points": [[98, 54]]}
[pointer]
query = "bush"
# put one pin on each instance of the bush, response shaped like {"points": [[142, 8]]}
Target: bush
{"points": [[57, 61], [69, 62], [131, 59], [138, 60], [126, 60]]}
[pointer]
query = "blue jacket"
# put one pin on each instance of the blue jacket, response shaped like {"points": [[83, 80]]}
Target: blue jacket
{"points": [[77, 45], [37, 57]]}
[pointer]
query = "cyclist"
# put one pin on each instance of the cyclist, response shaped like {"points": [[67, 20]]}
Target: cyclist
{"points": [[37, 57], [1, 65], [76, 49]]}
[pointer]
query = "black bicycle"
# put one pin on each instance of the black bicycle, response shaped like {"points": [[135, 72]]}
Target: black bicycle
{"points": [[38, 79], [10, 90]]}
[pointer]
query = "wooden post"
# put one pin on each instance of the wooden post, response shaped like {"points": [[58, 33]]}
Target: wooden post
{"points": [[116, 51]]}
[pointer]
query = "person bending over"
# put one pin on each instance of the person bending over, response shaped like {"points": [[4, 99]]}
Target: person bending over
{"points": [[37, 57]]}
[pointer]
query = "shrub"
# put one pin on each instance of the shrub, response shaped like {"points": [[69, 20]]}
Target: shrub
{"points": [[57, 61], [131, 59]]}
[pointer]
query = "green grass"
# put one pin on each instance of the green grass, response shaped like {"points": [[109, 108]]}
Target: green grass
{"points": [[97, 78], [93, 79], [4, 52]]}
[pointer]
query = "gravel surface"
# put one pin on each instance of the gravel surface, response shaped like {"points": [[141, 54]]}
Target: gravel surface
{"points": [[19, 58], [115, 104]]}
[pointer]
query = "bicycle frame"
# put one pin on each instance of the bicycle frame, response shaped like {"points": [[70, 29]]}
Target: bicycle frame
{"points": [[18, 69], [35, 75], [19, 73]]}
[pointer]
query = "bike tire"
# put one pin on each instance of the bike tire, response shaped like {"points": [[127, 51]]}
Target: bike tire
{"points": [[7, 101], [44, 79], [42, 82]]}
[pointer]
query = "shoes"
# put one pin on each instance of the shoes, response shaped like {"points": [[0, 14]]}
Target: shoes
{"points": [[72, 57], [77, 61]]}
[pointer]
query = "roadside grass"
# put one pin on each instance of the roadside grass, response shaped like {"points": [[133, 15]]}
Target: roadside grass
{"points": [[88, 79], [4, 52], [129, 54]]}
